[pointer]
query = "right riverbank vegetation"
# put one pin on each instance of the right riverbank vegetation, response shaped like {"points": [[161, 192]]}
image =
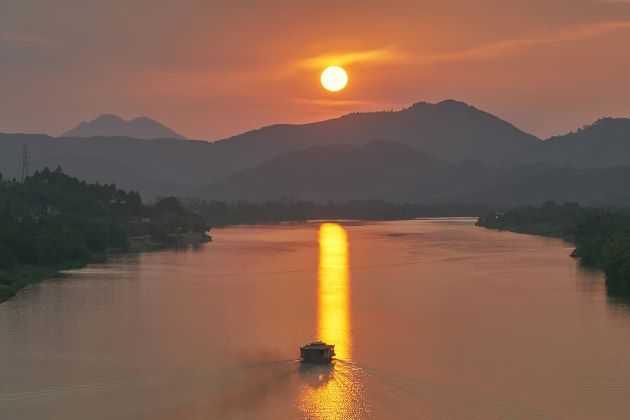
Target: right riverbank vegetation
{"points": [[601, 236], [52, 222]]}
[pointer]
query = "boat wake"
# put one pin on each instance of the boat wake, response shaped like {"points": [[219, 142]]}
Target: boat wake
{"points": [[286, 387], [403, 396]]}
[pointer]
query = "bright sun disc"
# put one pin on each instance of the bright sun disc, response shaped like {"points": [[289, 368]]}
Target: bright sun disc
{"points": [[334, 78]]}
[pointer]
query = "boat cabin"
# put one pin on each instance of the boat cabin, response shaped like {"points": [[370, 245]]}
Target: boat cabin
{"points": [[317, 352]]}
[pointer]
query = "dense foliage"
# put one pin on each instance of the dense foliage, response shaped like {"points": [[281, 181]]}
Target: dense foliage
{"points": [[220, 213], [601, 236], [53, 221]]}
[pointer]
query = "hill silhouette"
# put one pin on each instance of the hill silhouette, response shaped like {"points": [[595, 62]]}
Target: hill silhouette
{"points": [[605, 143], [395, 172], [536, 183], [379, 169], [449, 131], [110, 125]]}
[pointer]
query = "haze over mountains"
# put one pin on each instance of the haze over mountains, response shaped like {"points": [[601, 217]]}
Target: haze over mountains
{"points": [[109, 125], [443, 151], [383, 169], [450, 130], [396, 172], [602, 144]]}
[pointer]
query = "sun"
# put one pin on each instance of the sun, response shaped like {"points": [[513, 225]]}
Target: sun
{"points": [[334, 78]]}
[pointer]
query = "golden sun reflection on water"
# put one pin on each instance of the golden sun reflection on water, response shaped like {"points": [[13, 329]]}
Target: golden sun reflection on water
{"points": [[334, 288], [334, 390]]}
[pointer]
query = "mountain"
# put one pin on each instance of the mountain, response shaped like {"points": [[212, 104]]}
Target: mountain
{"points": [[450, 130], [110, 125], [379, 169], [154, 168], [396, 172], [536, 183], [605, 143]]}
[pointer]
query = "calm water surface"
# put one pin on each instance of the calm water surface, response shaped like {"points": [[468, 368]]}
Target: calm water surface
{"points": [[431, 318]]}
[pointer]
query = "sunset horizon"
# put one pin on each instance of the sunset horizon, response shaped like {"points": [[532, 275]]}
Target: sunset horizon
{"points": [[545, 66], [415, 209]]}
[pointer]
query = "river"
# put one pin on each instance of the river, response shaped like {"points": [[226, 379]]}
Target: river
{"points": [[431, 319]]}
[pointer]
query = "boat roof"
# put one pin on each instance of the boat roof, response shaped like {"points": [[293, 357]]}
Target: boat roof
{"points": [[317, 345]]}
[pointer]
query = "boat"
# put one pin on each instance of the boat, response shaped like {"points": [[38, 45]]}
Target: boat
{"points": [[317, 352]]}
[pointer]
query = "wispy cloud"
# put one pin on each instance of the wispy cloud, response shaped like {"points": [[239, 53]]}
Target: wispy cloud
{"points": [[27, 39], [333, 102], [343, 59], [487, 51], [576, 33]]}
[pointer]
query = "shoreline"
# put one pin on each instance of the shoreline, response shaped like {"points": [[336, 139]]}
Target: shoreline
{"points": [[26, 275], [599, 237], [345, 220], [532, 232]]}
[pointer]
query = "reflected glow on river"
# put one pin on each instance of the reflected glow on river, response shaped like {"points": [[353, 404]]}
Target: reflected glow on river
{"points": [[431, 319], [333, 310], [333, 391]]}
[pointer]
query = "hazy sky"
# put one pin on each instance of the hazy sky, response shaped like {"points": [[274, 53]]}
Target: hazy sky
{"points": [[210, 69]]}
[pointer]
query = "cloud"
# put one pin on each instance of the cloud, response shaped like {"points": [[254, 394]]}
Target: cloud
{"points": [[27, 39], [343, 59], [576, 33], [383, 55], [334, 102]]}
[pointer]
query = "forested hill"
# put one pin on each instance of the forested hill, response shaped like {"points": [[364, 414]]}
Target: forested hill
{"points": [[55, 193], [601, 237], [52, 221]]}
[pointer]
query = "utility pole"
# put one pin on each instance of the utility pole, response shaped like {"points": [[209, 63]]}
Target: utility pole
{"points": [[25, 162]]}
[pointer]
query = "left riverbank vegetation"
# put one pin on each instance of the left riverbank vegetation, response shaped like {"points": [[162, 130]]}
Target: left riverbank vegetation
{"points": [[601, 236], [52, 222]]}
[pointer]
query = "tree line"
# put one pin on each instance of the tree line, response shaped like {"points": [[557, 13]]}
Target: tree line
{"points": [[52, 221], [221, 213]]}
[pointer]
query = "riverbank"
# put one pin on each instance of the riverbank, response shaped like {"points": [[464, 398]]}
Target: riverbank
{"points": [[176, 240], [17, 278], [13, 281], [52, 222], [601, 237]]}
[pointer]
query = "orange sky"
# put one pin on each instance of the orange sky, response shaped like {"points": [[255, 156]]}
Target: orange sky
{"points": [[210, 69]]}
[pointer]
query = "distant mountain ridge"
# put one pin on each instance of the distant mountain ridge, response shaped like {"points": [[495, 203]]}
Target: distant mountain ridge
{"points": [[449, 132], [605, 143], [378, 169], [110, 125], [396, 172]]}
